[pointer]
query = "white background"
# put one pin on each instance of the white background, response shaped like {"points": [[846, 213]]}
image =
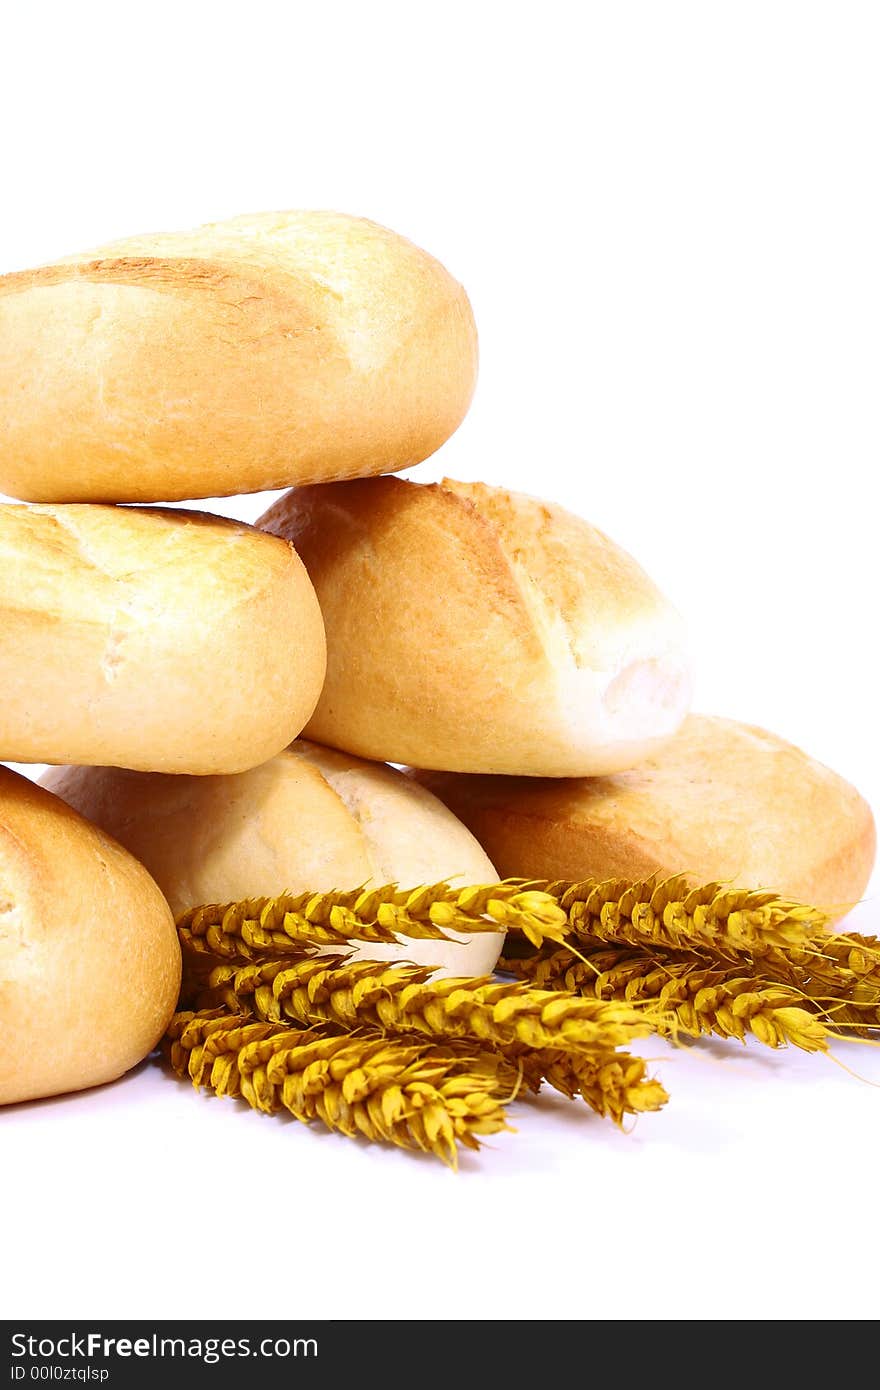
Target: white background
{"points": [[667, 216]]}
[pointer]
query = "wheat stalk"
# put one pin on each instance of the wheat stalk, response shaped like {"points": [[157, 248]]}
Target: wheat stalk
{"points": [[648, 913], [752, 936], [611, 1082], [390, 1053], [418, 1095], [672, 915], [688, 995], [404, 999], [247, 929]]}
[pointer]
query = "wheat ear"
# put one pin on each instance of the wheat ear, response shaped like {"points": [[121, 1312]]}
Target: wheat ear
{"points": [[689, 996], [405, 999], [418, 1095], [675, 916], [247, 929]]}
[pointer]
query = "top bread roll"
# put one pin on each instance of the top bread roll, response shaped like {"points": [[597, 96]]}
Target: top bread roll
{"points": [[476, 630], [273, 349], [722, 802], [148, 638]]}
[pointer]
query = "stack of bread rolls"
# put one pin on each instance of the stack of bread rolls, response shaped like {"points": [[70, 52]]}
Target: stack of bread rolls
{"points": [[523, 667]]}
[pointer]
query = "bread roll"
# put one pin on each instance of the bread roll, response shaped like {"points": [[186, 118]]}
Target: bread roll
{"points": [[89, 959], [273, 349], [722, 802], [309, 819], [490, 632], [155, 639]]}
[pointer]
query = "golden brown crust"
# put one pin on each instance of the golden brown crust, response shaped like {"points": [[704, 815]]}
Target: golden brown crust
{"points": [[162, 639], [492, 632], [179, 275], [562, 567], [265, 351], [89, 958], [310, 819], [722, 801]]}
